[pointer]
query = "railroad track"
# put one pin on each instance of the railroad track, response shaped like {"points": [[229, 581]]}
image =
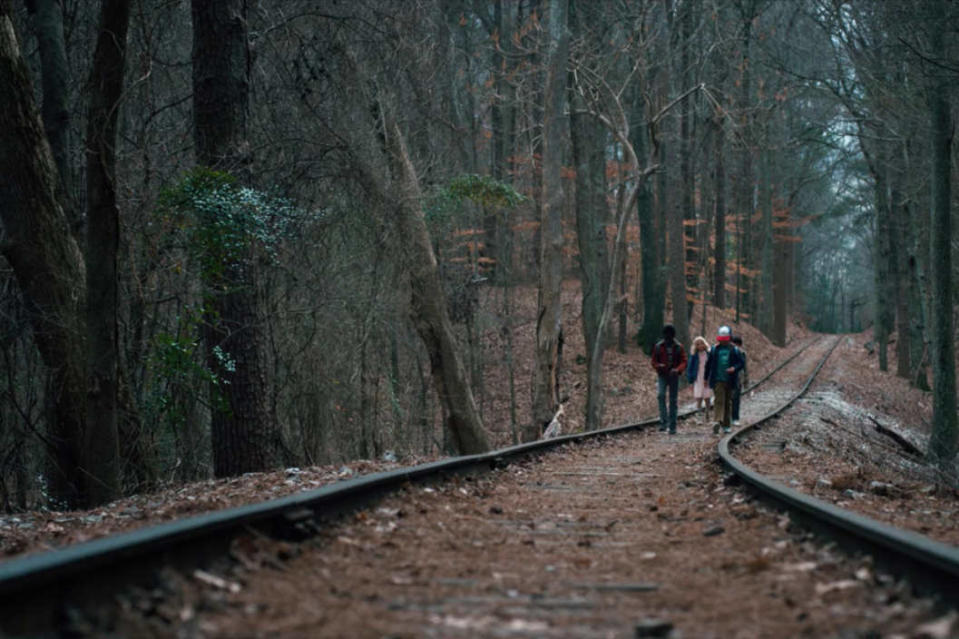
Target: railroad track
{"points": [[35, 591], [932, 566]]}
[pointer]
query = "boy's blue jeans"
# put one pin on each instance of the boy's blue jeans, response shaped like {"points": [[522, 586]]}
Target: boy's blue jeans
{"points": [[667, 418]]}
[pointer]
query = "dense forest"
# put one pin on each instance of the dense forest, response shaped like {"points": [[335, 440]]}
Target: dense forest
{"points": [[244, 234]]}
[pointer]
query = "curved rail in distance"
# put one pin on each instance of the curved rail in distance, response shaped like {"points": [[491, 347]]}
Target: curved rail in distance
{"points": [[932, 565]]}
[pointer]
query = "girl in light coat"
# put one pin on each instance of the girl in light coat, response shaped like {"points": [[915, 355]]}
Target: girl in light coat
{"points": [[696, 374]]}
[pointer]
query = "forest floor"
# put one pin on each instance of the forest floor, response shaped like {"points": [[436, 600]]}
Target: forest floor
{"points": [[851, 388]]}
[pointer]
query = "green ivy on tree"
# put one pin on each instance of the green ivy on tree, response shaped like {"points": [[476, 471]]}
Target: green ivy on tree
{"points": [[226, 224], [224, 227]]}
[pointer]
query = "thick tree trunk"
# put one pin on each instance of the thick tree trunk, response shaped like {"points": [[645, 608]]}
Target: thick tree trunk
{"points": [[221, 85], [46, 261], [549, 317], [943, 442], [245, 438], [101, 439]]}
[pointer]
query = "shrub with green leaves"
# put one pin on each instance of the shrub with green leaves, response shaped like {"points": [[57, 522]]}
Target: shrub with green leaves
{"points": [[222, 227], [444, 204], [226, 224]]}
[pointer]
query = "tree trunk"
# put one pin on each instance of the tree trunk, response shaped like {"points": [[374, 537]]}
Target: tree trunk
{"points": [[902, 245], [674, 212], [910, 323], [430, 314], [101, 439], [221, 86], [943, 442], [885, 283], [508, 360], [780, 292], [651, 272], [914, 283], [244, 437], [719, 273], [676, 261], [686, 157], [448, 49], [745, 192], [588, 142], [48, 25], [46, 261], [765, 302], [502, 119], [622, 338], [549, 317]]}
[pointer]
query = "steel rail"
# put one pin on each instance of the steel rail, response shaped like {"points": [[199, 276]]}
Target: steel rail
{"points": [[931, 566], [36, 589]]}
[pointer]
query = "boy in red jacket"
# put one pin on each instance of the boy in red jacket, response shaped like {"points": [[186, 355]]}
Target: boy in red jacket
{"points": [[669, 362]]}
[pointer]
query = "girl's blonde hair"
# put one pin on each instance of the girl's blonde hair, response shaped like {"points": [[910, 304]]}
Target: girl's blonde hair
{"points": [[698, 340]]}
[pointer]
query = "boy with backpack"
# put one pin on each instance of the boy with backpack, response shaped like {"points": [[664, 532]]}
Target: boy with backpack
{"points": [[722, 369]]}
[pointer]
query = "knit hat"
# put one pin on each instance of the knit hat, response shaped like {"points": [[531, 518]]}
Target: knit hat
{"points": [[723, 334]]}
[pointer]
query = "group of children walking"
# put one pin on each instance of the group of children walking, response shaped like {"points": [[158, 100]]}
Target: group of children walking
{"points": [[717, 375]]}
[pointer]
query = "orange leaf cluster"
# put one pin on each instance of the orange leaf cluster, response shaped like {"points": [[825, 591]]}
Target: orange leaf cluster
{"points": [[468, 232], [787, 238], [530, 225]]}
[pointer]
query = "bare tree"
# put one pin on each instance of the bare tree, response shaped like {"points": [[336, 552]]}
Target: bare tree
{"points": [[376, 149], [588, 138], [943, 442], [549, 328], [46, 261], [101, 439], [429, 305], [676, 214]]}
